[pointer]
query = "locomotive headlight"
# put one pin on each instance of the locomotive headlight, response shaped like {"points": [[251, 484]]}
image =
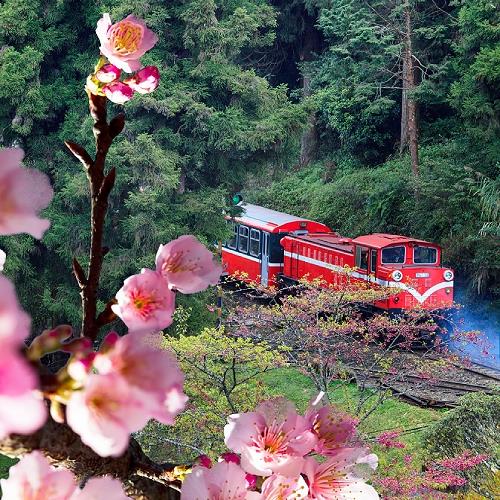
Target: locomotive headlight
{"points": [[397, 275], [448, 275]]}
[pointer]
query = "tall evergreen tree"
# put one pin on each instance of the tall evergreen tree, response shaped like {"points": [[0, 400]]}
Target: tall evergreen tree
{"points": [[184, 148]]}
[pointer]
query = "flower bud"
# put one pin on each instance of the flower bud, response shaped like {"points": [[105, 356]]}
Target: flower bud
{"points": [[251, 481], [145, 81], [92, 85], [204, 461], [108, 73], [109, 341], [118, 92], [57, 411], [230, 457], [79, 368], [49, 341]]}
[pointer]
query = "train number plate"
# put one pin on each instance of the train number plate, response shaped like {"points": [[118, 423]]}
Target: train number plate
{"points": [[422, 275]]}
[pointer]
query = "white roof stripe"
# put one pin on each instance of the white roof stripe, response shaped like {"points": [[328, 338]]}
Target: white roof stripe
{"points": [[267, 215]]}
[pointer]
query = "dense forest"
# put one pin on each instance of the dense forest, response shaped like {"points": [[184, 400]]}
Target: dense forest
{"points": [[368, 115]]}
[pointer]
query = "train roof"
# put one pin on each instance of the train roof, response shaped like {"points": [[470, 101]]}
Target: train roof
{"points": [[382, 240], [276, 222], [332, 240]]}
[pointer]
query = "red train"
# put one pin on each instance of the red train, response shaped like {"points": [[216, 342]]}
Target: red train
{"points": [[269, 246]]}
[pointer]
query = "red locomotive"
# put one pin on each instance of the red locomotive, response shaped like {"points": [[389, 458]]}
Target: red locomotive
{"points": [[268, 246]]}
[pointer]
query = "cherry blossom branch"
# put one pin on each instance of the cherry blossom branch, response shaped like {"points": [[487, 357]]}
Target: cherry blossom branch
{"points": [[100, 185]]}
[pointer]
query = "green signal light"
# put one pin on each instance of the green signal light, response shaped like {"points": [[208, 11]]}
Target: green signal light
{"points": [[237, 198]]}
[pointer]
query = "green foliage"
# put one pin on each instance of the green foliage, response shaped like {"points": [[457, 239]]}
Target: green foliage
{"points": [[222, 377], [473, 425], [184, 149]]}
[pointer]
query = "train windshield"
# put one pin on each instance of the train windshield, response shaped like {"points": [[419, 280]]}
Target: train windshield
{"points": [[424, 255], [393, 255]]}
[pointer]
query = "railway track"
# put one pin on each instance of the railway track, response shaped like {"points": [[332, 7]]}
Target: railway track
{"points": [[434, 392]]}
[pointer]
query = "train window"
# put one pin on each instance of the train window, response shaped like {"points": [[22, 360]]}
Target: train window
{"points": [[362, 258], [232, 242], [254, 242], [243, 240], [424, 255], [393, 255], [373, 262]]}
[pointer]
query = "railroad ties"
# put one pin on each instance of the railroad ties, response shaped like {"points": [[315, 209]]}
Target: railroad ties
{"points": [[440, 391]]}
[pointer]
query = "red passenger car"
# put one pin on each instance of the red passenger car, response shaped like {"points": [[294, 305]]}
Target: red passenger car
{"points": [[255, 248], [269, 246]]}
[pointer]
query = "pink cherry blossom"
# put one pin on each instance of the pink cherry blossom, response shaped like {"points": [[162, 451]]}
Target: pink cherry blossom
{"points": [[150, 370], [33, 478], [14, 322], [16, 376], [100, 488], [22, 410], [273, 439], [23, 193], [21, 414], [108, 73], [145, 303], [224, 481], [124, 42], [333, 427], [105, 412], [187, 265], [145, 80], [341, 476], [277, 487], [118, 92]]}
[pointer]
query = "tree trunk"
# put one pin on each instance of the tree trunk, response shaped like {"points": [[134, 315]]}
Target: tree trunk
{"points": [[403, 141], [409, 85], [310, 44], [309, 139], [142, 479], [181, 188]]}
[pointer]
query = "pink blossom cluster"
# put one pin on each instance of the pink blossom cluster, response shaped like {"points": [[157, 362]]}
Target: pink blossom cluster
{"points": [[22, 409], [121, 387], [465, 461], [23, 193], [122, 46], [278, 454], [389, 439], [146, 302], [429, 484], [34, 478]]}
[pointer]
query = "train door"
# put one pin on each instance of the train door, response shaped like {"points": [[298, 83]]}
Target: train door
{"points": [[373, 265], [294, 260], [264, 267], [362, 262]]}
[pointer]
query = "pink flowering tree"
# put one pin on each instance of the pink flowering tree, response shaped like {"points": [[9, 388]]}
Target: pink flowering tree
{"points": [[330, 337], [77, 423]]}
